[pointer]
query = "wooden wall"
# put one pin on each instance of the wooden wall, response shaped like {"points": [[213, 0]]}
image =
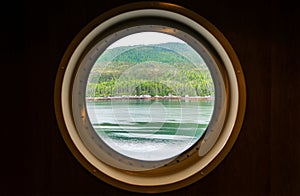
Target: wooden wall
{"points": [[266, 157]]}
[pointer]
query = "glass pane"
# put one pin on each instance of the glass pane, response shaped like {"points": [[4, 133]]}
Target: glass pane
{"points": [[150, 96]]}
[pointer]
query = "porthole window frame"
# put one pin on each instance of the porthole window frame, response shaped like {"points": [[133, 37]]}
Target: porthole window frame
{"points": [[166, 177]]}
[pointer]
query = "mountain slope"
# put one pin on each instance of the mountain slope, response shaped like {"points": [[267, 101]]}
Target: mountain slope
{"points": [[171, 52]]}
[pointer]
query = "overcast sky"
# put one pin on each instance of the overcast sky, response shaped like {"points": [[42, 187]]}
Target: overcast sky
{"points": [[145, 38]]}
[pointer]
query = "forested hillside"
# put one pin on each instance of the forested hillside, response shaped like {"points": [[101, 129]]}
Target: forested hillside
{"points": [[182, 49], [155, 70]]}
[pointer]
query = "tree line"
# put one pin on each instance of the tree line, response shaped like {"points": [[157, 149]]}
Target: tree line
{"points": [[153, 81], [156, 70]]}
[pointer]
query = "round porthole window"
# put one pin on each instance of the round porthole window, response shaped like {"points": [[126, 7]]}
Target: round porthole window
{"points": [[150, 97]]}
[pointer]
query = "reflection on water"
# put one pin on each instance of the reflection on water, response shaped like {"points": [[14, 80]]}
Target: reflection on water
{"points": [[150, 129]]}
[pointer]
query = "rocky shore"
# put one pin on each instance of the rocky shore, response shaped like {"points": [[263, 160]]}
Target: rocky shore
{"points": [[148, 97]]}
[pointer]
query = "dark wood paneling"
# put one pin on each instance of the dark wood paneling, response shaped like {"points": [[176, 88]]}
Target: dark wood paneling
{"points": [[266, 157], [285, 107]]}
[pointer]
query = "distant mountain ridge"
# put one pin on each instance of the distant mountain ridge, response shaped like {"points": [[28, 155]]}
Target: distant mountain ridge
{"points": [[153, 70], [171, 52]]}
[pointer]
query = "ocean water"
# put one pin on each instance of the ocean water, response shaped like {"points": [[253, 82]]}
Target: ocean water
{"points": [[150, 129]]}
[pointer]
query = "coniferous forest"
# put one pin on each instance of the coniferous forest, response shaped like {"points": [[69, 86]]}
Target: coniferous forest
{"points": [[154, 70]]}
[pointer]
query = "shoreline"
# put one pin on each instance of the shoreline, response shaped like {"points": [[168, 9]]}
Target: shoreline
{"points": [[148, 97]]}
